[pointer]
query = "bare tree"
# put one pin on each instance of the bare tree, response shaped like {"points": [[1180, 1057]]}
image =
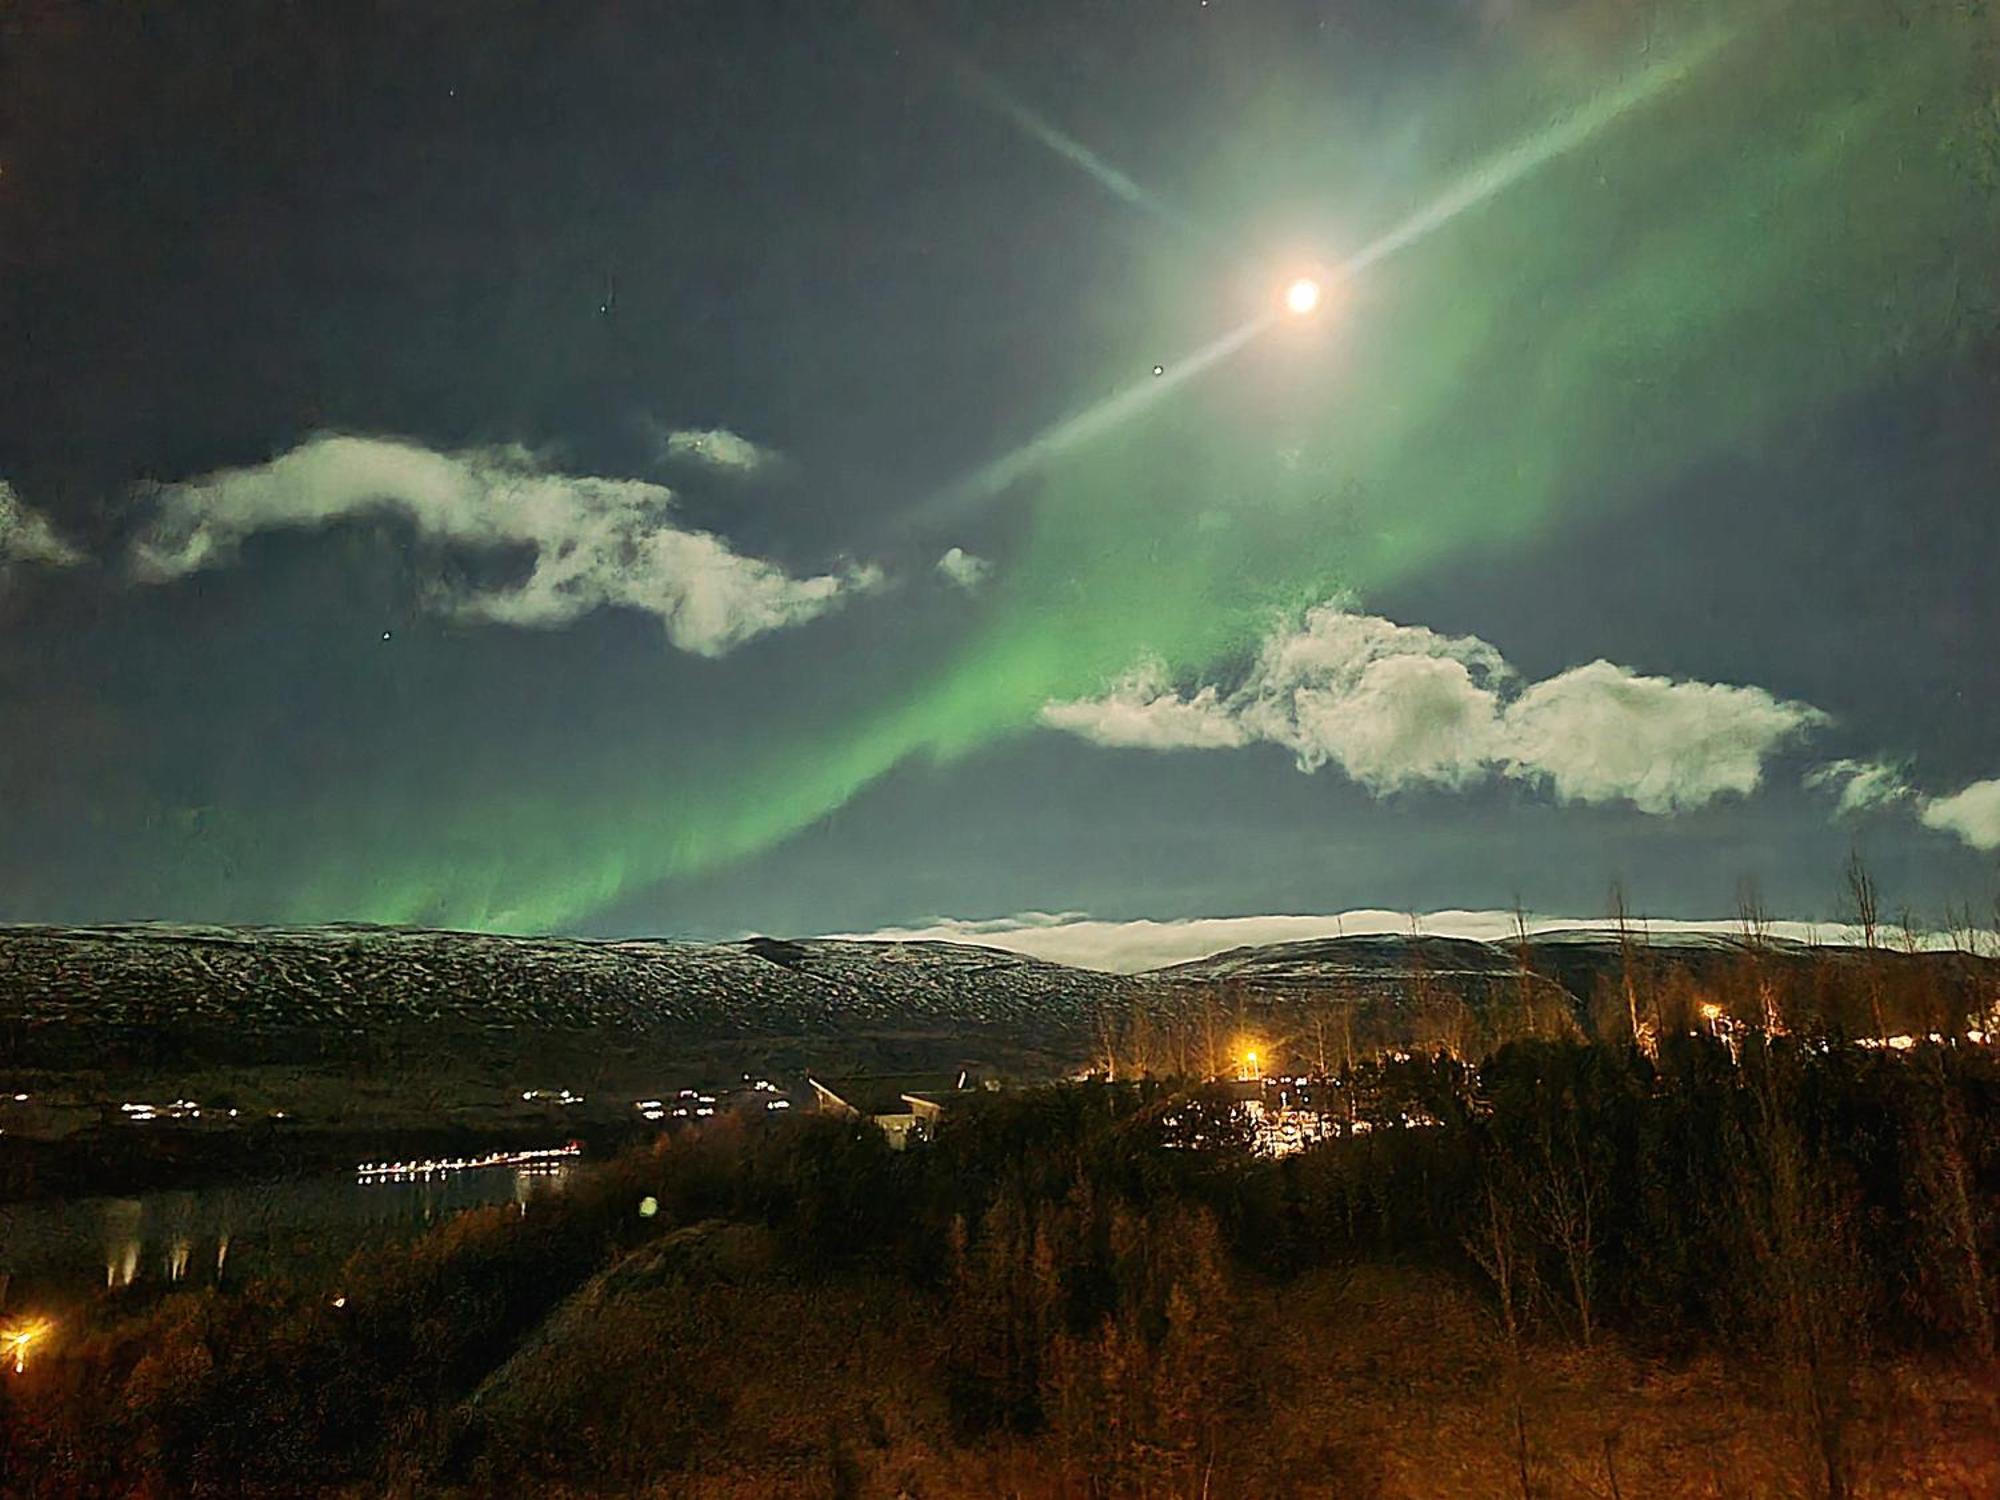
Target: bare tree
{"points": [[1500, 1249], [1317, 1021], [1754, 925], [1799, 1266], [1628, 971], [1565, 1194], [1419, 989], [1948, 1196], [1865, 905], [1909, 931], [1863, 899], [1213, 1047], [1525, 978]]}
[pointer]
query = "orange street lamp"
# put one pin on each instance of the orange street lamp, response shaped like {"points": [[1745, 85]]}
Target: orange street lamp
{"points": [[17, 1340]]}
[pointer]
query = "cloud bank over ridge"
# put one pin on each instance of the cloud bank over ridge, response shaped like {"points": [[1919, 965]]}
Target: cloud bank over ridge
{"points": [[1133, 946]]}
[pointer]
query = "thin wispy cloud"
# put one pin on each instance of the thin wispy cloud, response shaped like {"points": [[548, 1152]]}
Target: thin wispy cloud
{"points": [[592, 542], [716, 448], [1861, 785], [1396, 706], [1142, 712], [962, 568], [27, 537], [1971, 814]]}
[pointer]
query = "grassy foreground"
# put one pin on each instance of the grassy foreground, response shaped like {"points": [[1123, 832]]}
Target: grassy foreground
{"points": [[1764, 1270]]}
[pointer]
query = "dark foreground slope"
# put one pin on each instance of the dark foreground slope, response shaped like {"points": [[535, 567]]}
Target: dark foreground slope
{"points": [[1784, 1287]]}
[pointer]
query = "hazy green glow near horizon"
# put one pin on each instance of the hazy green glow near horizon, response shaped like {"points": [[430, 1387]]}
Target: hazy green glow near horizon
{"points": [[1665, 267]]}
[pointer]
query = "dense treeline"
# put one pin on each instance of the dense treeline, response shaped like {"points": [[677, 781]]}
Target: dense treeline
{"points": [[1060, 1275], [1614, 986]]}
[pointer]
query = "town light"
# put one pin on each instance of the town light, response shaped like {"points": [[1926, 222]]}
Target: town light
{"points": [[17, 1340]]}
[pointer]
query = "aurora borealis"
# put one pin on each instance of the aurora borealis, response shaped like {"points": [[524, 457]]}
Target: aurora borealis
{"points": [[1683, 360]]}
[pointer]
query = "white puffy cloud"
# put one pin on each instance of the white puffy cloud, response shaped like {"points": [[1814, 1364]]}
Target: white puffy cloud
{"points": [[1142, 712], [1860, 784], [1391, 705], [717, 448], [1599, 733], [26, 535], [963, 569], [1973, 814], [1396, 706], [592, 541]]}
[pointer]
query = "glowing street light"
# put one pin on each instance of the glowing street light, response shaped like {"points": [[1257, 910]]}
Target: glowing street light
{"points": [[17, 1340]]}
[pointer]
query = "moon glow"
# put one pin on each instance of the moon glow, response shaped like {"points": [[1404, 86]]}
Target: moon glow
{"points": [[1302, 297]]}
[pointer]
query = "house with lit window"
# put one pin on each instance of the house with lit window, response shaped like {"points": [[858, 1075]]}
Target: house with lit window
{"points": [[901, 1105]]}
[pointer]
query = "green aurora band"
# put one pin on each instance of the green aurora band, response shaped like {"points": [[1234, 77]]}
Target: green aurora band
{"points": [[1806, 212]]}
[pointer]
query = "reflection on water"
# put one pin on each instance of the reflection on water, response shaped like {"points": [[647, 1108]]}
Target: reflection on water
{"points": [[195, 1238]]}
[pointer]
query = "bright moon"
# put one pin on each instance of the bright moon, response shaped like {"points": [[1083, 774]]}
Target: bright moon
{"points": [[1302, 296]]}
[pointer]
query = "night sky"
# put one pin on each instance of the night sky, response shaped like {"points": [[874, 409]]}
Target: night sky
{"points": [[698, 469]]}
